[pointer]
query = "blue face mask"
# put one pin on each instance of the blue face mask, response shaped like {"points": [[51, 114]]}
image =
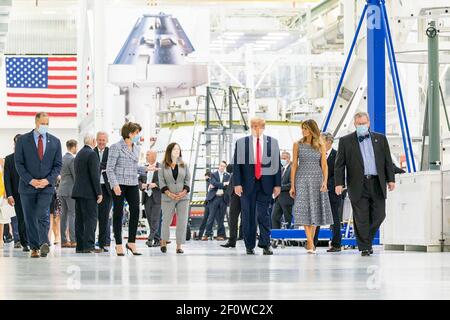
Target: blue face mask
{"points": [[43, 129], [136, 138], [284, 162], [362, 130]]}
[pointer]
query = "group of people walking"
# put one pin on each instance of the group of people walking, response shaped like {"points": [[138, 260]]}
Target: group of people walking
{"points": [[306, 191]]}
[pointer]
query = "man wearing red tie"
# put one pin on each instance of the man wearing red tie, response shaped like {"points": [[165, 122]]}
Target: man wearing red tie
{"points": [[257, 177], [38, 162]]}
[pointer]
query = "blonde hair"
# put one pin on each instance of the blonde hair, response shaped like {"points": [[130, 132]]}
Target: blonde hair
{"points": [[316, 140]]}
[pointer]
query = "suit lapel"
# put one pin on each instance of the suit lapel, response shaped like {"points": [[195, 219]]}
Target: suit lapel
{"points": [[33, 143], [105, 154], [375, 144], [356, 145], [250, 148]]}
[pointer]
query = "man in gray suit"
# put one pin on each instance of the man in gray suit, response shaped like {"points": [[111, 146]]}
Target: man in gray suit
{"points": [[151, 199], [65, 195]]}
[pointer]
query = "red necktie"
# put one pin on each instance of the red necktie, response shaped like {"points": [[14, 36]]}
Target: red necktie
{"points": [[258, 160], [40, 148]]}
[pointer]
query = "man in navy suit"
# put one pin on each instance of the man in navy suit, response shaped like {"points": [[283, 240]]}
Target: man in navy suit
{"points": [[38, 161], [218, 201], [257, 178]]}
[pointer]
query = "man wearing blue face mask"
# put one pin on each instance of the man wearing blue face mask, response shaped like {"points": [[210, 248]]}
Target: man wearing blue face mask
{"points": [[366, 159], [38, 162]]}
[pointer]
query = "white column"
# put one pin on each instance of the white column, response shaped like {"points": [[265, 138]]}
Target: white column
{"points": [[349, 23], [250, 78], [99, 68]]}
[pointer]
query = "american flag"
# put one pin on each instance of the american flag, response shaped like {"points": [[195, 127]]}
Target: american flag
{"points": [[35, 84]]}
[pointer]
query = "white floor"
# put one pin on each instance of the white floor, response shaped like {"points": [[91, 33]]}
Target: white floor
{"points": [[207, 271]]}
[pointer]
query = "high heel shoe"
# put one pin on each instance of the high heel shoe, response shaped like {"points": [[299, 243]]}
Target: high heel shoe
{"points": [[119, 254], [135, 253], [180, 251]]}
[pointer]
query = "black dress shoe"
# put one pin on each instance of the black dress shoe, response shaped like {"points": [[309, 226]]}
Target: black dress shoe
{"points": [[334, 249], [26, 249], [149, 243], [250, 251], [45, 249], [228, 245], [371, 251], [267, 251], [365, 253], [163, 249], [104, 249]]}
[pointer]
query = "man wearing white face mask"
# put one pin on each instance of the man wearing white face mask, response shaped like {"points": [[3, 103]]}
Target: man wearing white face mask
{"points": [[366, 159], [38, 161]]}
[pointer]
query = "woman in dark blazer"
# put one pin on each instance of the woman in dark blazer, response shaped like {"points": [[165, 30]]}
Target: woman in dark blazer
{"points": [[122, 171], [174, 179]]}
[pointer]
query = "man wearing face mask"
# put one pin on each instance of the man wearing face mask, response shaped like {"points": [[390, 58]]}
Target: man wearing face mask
{"points": [[366, 159], [284, 203], [38, 161]]}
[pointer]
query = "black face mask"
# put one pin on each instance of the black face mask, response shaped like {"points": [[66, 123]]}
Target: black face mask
{"points": [[230, 168]]}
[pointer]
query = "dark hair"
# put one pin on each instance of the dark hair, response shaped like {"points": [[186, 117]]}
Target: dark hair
{"points": [[223, 161], [71, 143], [40, 115], [230, 168], [16, 137], [128, 128], [168, 155]]}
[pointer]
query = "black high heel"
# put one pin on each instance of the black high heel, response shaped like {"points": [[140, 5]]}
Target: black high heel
{"points": [[133, 252], [180, 251], [163, 249]]}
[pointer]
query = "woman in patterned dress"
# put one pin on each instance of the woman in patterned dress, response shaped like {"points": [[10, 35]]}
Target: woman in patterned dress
{"points": [[309, 176]]}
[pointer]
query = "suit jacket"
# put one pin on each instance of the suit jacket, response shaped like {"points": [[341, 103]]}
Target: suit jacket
{"points": [[103, 163], [349, 159], [216, 184], [67, 176], [330, 162], [30, 167], [244, 165], [156, 192], [123, 166], [11, 177], [166, 180], [284, 197], [87, 175]]}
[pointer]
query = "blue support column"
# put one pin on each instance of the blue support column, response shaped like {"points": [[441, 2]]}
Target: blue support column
{"points": [[376, 67]]}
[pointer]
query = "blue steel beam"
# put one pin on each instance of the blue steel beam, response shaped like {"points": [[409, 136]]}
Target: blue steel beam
{"points": [[330, 112], [376, 67], [396, 78]]}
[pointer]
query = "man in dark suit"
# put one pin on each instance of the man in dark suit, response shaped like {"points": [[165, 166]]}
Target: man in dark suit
{"points": [[38, 161], [201, 229], [87, 194], [284, 203], [335, 200], [104, 207], [235, 211], [12, 180], [366, 159], [257, 177], [217, 200], [151, 199], [65, 196]]}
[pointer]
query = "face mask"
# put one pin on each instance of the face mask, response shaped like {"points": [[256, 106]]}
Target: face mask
{"points": [[136, 139], [284, 162], [362, 130], [43, 129]]}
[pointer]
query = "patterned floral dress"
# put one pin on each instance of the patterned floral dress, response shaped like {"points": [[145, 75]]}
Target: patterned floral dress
{"points": [[311, 206]]}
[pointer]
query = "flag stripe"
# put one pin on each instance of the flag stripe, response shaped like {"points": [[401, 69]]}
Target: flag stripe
{"points": [[62, 77], [41, 95], [62, 59], [62, 68], [51, 114], [37, 104], [61, 87]]}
